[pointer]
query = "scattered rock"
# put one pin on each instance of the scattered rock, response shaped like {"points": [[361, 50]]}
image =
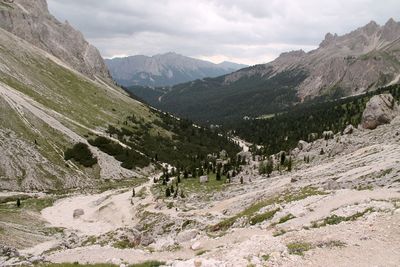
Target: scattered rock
{"points": [[380, 109], [196, 246], [349, 129], [78, 213], [186, 236], [8, 252], [146, 240]]}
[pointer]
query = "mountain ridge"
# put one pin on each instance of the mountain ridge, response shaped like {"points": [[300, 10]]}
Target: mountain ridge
{"points": [[357, 62], [164, 69]]}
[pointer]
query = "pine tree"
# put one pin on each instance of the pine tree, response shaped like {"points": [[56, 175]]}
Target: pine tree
{"points": [[269, 167], [289, 167], [283, 158], [167, 192], [172, 189], [241, 180], [262, 168], [218, 177], [133, 192], [18, 202]]}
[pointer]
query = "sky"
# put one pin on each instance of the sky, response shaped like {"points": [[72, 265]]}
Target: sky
{"points": [[242, 31]]}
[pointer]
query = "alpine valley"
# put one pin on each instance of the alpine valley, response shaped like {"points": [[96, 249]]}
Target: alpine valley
{"points": [[290, 163]]}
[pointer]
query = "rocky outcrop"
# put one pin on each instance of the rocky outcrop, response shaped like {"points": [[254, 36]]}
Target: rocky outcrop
{"points": [[380, 109], [365, 58], [31, 21]]}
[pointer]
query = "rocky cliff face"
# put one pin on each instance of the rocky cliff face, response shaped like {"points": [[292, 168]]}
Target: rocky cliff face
{"points": [[31, 21], [356, 62]]}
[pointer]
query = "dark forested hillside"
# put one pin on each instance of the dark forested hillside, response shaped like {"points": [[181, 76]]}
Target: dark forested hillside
{"points": [[213, 100], [283, 131], [187, 147]]}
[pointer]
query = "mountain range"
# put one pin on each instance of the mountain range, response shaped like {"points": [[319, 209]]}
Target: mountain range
{"points": [[63, 122], [355, 63], [165, 70]]}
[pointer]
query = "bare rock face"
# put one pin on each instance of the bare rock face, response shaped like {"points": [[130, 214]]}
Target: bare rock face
{"points": [[380, 109], [31, 21]]}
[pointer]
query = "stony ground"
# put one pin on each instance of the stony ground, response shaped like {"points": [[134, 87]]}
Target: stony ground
{"points": [[340, 209]]}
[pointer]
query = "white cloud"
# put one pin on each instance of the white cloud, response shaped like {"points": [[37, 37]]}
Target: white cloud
{"points": [[246, 31]]}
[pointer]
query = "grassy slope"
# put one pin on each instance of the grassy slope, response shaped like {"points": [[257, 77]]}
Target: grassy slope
{"points": [[88, 103]]}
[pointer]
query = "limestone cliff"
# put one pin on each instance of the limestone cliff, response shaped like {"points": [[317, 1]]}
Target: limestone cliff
{"points": [[31, 21]]}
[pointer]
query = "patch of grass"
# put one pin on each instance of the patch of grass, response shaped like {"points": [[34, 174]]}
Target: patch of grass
{"points": [[263, 217], [201, 252], [279, 232], [286, 218], [265, 257], [298, 248], [335, 219], [91, 240], [364, 187], [122, 244], [304, 193]]}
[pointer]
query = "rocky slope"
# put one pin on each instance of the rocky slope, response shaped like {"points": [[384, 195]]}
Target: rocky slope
{"points": [[54, 93], [165, 70], [31, 21], [332, 210], [359, 61]]}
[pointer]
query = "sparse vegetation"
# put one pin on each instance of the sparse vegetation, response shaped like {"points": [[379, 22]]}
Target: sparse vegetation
{"points": [[298, 248], [335, 219], [263, 217], [286, 218]]}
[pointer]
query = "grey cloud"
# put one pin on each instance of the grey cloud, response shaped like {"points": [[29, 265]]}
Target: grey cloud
{"points": [[249, 31]]}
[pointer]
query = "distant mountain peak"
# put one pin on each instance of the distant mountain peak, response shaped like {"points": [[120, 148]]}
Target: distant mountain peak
{"points": [[165, 69]]}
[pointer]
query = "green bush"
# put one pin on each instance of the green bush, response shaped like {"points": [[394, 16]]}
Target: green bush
{"points": [[80, 153]]}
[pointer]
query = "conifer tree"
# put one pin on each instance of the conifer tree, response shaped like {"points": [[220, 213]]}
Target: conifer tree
{"points": [[167, 192]]}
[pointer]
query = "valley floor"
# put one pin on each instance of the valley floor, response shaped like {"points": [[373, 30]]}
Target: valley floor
{"points": [[341, 209]]}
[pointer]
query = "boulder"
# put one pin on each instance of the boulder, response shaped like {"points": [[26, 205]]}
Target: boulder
{"points": [[78, 213], [349, 129], [302, 145], [203, 179], [186, 236], [380, 109], [196, 246], [146, 240]]}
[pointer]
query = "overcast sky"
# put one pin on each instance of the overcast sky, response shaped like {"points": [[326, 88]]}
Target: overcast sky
{"points": [[243, 31]]}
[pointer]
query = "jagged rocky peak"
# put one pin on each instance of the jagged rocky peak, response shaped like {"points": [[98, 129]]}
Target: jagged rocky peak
{"points": [[371, 28], [329, 39], [391, 30], [31, 21]]}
